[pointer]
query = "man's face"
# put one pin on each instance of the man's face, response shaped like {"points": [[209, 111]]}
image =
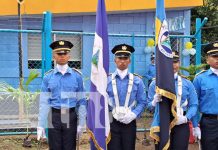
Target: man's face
{"points": [[61, 59], [176, 66], [212, 61], [122, 62]]}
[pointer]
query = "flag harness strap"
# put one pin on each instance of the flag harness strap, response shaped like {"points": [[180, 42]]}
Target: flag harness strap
{"points": [[130, 85], [179, 98]]}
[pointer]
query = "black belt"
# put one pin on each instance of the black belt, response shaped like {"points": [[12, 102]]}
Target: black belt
{"points": [[210, 116], [63, 110]]}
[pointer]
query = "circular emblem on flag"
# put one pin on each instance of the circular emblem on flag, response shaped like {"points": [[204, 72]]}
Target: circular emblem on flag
{"points": [[164, 41]]}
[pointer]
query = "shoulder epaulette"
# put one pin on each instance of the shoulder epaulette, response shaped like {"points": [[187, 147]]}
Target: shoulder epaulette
{"points": [[49, 71], [138, 75], [77, 71], [200, 72], [183, 76]]}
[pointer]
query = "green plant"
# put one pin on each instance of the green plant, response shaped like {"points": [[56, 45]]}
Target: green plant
{"points": [[193, 70], [22, 94]]}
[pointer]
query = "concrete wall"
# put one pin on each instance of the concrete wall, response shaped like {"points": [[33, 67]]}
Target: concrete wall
{"points": [[125, 23]]}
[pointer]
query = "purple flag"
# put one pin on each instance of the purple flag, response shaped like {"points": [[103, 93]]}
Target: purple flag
{"points": [[97, 116]]}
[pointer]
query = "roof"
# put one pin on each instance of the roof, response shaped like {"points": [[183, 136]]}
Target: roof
{"points": [[9, 7]]}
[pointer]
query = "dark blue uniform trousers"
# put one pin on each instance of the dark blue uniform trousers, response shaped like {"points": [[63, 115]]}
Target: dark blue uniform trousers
{"points": [[62, 130], [179, 137], [123, 136], [209, 132]]}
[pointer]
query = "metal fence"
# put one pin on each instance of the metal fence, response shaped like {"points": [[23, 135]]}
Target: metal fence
{"points": [[35, 56]]}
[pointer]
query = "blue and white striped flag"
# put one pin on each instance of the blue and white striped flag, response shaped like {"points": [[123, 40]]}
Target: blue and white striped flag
{"points": [[97, 117]]}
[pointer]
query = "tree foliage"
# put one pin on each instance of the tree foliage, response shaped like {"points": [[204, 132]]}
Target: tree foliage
{"points": [[209, 10], [193, 70]]}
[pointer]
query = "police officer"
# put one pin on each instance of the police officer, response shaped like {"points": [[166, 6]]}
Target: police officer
{"points": [[127, 100], [151, 72], [61, 95], [206, 86], [187, 104]]}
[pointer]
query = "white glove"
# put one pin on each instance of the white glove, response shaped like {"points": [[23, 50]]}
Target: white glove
{"points": [[80, 130], [40, 133], [157, 99], [181, 120], [197, 133], [129, 117]]}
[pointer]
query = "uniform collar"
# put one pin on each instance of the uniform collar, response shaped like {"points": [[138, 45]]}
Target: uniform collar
{"points": [[69, 70], [209, 72], [122, 74], [215, 71]]}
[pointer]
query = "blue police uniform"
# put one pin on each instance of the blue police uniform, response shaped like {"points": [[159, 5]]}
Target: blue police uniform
{"points": [[59, 91], [207, 90], [188, 93], [151, 73], [180, 133], [179, 136], [137, 93], [206, 86], [123, 133], [61, 95]]}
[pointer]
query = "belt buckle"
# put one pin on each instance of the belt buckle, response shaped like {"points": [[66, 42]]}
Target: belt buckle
{"points": [[63, 111]]}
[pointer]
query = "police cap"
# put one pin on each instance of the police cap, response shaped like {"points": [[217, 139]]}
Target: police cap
{"points": [[152, 56], [175, 56], [211, 49], [61, 46], [122, 50]]}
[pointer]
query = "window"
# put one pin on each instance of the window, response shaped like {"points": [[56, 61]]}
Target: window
{"points": [[35, 54]]}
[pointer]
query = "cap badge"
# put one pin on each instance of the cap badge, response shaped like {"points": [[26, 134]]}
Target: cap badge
{"points": [[61, 43], [124, 47], [215, 44]]}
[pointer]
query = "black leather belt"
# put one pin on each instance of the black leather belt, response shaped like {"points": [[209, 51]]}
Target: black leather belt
{"points": [[63, 110], [210, 116]]}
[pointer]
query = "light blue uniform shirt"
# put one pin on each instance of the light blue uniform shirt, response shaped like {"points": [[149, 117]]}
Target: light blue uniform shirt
{"points": [[137, 93], [206, 85], [188, 93], [60, 91], [151, 73]]}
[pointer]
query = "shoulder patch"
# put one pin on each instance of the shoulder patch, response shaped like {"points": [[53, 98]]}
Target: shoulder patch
{"points": [[200, 72], [49, 71], [137, 75], [77, 71]]}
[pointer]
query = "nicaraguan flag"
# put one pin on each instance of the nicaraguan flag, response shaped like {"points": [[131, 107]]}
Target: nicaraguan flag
{"points": [[97, 117]]}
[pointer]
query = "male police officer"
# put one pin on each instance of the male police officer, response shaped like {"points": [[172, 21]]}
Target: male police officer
{"points": [[151, 72], [127, 100], [187, 104], [206, 84], [61, 93]]}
